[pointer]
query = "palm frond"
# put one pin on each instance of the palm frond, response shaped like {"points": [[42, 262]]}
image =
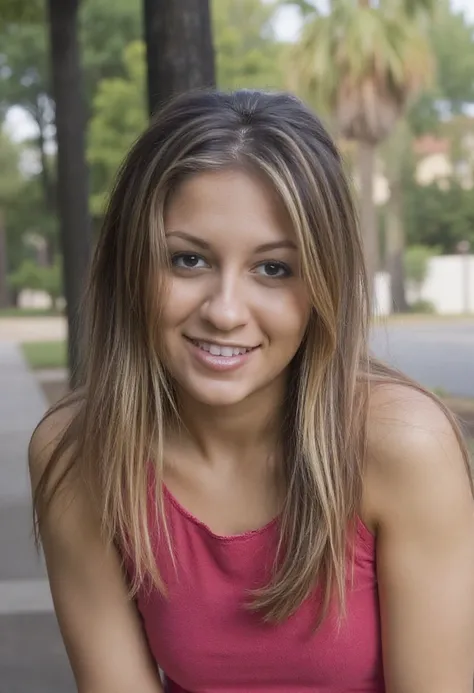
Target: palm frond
{"points": [[365, 63]]}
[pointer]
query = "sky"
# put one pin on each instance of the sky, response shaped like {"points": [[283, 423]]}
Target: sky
{"points": [[288, 24], [20, 126]]}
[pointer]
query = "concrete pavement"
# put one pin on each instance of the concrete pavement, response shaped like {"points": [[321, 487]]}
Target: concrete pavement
{"points": [[32, 657], [437, 353], [16, 330]]}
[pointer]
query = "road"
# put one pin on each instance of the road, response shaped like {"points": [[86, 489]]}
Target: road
{"points": [[437, 353], [32, 657]]}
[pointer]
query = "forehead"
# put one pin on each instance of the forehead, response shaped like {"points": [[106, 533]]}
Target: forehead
{"points": [[230, 205]]}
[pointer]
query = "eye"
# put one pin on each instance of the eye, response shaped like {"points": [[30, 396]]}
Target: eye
{"points": [[275, 270], [188, 261]]}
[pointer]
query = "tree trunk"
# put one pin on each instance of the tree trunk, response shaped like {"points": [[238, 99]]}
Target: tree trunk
{"points": [[48, 185], [179, 49], [72, 185], [395, 240], [368, 220], [4, 293]]}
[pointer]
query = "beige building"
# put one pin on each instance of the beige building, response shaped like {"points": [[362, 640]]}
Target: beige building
{"points": [[438, 161]]}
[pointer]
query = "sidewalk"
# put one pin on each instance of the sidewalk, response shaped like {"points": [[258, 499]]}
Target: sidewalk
{"points": [[32, 657]]}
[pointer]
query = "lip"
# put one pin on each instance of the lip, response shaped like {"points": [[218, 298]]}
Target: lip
{"points": [[219, 363], [234, 345]]}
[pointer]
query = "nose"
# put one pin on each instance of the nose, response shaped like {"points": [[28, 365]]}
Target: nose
{"points": [[226, 307]]}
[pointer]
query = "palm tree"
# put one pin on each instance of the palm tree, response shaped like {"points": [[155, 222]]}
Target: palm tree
{"points": [[72, 177], [397, 157], [179, 49], [363, 61]]}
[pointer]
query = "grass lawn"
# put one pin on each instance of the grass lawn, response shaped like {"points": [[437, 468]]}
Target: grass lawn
{"points": [[45, 354], [54, 355], [28, 312]]}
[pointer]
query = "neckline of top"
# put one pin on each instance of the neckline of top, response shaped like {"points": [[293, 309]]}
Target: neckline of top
{"points": [[363, 531], [220, 537]]}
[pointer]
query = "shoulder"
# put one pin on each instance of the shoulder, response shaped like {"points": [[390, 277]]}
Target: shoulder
{"points": [[418, 491], [403, 421], [416, 461], [47, 438]]}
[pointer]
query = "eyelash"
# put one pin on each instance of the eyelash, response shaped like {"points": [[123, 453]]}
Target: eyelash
{"points": [[277, 263]]}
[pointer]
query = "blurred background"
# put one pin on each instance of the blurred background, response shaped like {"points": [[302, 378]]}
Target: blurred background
{"points": [[394, 82]]}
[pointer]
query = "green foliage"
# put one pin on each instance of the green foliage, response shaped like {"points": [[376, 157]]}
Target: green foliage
{"points": [[363, 63], [247, 54], [27, 276], [247, 51], [411, 8], [421, 306], [12, 198], [15, 312], [107, 27], [422, 113], [22, 203], [417, 258], [23, 78], [30, 275], [119, 117], [439, 217], [453, 43], [52, 280], [27, 11], [10, 179]]}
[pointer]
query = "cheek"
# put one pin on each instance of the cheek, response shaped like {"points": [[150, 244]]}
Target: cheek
{"points": [[181, 300], [287, 316]]}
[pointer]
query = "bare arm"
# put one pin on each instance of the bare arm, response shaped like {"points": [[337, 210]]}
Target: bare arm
{"points": [[425, 558], [100, 626]]}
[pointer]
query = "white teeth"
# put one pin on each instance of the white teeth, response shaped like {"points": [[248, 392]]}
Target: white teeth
{"points": [[217, 350]]}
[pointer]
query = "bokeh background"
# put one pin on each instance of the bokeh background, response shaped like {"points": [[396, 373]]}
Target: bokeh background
{"points": [[394, 82]]}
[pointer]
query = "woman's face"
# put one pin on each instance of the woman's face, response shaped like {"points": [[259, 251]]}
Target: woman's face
{"points": [[236, 308]]}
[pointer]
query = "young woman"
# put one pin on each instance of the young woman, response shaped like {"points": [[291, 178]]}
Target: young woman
{"points": [[238, 494]]}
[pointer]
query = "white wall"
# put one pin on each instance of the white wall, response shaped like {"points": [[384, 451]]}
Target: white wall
{"points": [[444, 288], [382, 294], [449, 286], [34, 299]]}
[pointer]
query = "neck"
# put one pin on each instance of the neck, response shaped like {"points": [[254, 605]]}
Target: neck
{"points": [[237, 432]]}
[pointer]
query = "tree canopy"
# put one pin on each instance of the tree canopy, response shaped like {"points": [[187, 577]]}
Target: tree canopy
{"points": [[248, 54]]}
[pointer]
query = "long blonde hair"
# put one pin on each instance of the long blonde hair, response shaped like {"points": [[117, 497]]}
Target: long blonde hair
{"points": [[125, 401]]}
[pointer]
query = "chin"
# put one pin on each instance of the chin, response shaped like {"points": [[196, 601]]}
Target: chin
{"points": [[226, 396]]}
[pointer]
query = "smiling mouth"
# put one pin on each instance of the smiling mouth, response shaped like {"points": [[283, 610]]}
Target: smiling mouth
{"points": [[221, 349]]}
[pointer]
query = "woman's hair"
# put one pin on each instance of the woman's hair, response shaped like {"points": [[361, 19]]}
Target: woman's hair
{"points": [[126, 402]]}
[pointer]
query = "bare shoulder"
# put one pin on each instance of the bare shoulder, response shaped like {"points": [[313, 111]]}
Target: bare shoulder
{"points": [[46, 437], [418, 498], [414, 454], [99, 622]]}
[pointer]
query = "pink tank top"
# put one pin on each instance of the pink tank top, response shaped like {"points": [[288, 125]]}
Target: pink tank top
{"points": [[206, 641]]}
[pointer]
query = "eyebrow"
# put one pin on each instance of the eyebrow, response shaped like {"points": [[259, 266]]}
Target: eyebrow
{"points": [[266, 247]]}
